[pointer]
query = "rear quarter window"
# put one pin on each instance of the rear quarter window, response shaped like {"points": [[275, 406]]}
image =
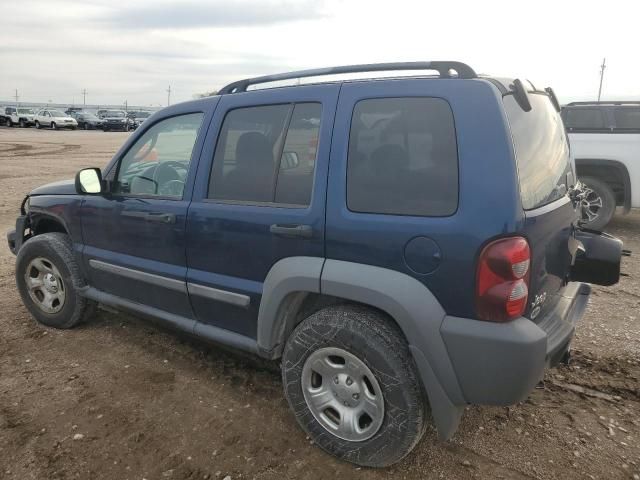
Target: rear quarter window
{"points": [[402, 157], [584, 119], [541, 150]]}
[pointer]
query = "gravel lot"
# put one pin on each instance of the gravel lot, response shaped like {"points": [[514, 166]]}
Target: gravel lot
{"points": [[120, 398]]}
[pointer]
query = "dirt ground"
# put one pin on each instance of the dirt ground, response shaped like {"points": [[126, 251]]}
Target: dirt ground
{"points": [[120, 398]]}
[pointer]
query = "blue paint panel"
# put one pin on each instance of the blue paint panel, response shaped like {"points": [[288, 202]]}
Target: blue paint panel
{"points": [[230, 246], [489, 201]]}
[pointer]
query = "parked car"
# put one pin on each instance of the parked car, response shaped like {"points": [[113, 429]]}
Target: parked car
{"points": [[371, 234], [54, 119], [116, 120], [605, 141], [137, 117], [87, 120], [20, 116]]}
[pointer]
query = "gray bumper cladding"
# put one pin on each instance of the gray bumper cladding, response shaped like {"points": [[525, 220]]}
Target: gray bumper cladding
{"points": [[500, 363]]}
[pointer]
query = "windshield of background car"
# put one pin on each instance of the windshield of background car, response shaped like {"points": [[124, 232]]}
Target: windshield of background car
{"points": [[25, 111], [114, 113], [57, 113], [88, 116], [541, 150]]}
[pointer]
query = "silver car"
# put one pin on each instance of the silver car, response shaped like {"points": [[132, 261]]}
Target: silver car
{"points": [[54, 119]]}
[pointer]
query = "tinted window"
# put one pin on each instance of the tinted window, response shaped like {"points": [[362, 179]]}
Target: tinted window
{"points": [[158, 163], [627, 118], [403, 157], [581, 118], [267, 154], [541, 148]]}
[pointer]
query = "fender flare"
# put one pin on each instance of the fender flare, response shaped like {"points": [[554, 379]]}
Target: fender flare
{"points": [[414, 308], [615, 164]]}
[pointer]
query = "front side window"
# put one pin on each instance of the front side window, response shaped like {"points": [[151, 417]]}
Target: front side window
{"points": [[267, 154], [158, 163], [403, 157], [627, 118]]}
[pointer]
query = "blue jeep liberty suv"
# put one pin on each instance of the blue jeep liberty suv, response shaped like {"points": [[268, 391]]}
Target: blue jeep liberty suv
{"points": [[405, 245]]}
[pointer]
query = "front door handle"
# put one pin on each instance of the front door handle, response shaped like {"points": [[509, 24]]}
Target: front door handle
{"points": [[168, 218], [303, 231]]}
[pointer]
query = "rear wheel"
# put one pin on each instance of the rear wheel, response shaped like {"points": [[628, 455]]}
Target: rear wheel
{"points": [[349, 378], [598, 203], [49, 280]]}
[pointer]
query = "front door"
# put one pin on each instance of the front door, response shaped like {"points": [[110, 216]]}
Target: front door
{"points": [[259, 197], [134, 237]]}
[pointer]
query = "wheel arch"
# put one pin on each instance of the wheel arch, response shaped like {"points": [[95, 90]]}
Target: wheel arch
{"points": [[613, 172], [297, 286], [44, 223]]}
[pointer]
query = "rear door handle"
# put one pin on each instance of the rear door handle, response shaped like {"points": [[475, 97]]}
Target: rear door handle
{"points": [[303, 231], [168, 218]]}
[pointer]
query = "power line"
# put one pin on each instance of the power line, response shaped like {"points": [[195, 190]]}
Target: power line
{"points": [[602, 67]]}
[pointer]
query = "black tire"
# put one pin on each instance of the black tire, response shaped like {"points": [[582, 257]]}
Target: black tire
{"points": [[56, 248], [37, 125], [9, 122], [85, 126], [54, 126], [598, 193], [22, 124], [376, 341]]}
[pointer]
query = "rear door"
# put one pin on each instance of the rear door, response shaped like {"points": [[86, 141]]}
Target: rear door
{"points": [[545, 176], [259, 197]]}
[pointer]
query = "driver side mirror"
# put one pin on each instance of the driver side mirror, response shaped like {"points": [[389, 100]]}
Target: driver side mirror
{"points": [[89, 181]]}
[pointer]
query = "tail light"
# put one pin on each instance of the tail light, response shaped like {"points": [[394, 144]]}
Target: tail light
{"points": [[502, 287]]}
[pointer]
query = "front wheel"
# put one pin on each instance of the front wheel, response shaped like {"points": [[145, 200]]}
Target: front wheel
{"points": [[353, 386], [22, 124], [598, 203], [49, 280], [53, 126], [9, 122], [37, 125]]}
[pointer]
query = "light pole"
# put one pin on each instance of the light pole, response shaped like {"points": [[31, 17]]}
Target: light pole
{"points": [[602, 67]]}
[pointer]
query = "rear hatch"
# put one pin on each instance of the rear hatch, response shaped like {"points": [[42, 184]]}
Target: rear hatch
{"points": [[545, 174]]}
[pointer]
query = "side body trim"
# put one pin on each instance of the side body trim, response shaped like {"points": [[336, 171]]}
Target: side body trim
{"points": [[141, 276], [219, 295]]}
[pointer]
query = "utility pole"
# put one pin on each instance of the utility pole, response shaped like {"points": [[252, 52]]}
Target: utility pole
{"points": [[602, 67], [126, 106], [169, 96], [84, 96], [16, 97]]}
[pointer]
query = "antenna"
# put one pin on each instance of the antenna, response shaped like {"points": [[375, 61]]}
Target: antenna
{"points": [[169, 96], [602, 67]]}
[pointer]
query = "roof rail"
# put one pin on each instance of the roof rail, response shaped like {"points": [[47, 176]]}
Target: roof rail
{"points": [[604, 102], [444, 68]]}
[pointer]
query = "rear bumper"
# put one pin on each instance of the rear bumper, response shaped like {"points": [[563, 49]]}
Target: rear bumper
{"points": [[500, 363]]}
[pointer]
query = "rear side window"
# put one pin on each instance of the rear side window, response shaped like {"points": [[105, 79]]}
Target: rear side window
{"points": [[584, 119], [267, 154], [627, 118], [541, 148], [403, 157]]}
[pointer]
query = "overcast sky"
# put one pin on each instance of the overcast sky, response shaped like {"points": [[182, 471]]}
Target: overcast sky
{"points": [[132, 50]]}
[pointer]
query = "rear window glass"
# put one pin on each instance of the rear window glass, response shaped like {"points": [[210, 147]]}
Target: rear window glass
{"points": [[541, 148], [627, 118], [403, 157], [581, 118]]}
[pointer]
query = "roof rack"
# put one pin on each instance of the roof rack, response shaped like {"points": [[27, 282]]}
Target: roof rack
{"points": [[444, 68], [604, 102]]}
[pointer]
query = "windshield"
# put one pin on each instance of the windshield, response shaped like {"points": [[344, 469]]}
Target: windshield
{"points": [[142, 114], [541, 149], [56, 113], [88, 116], [114, 113], [25, 111]]}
